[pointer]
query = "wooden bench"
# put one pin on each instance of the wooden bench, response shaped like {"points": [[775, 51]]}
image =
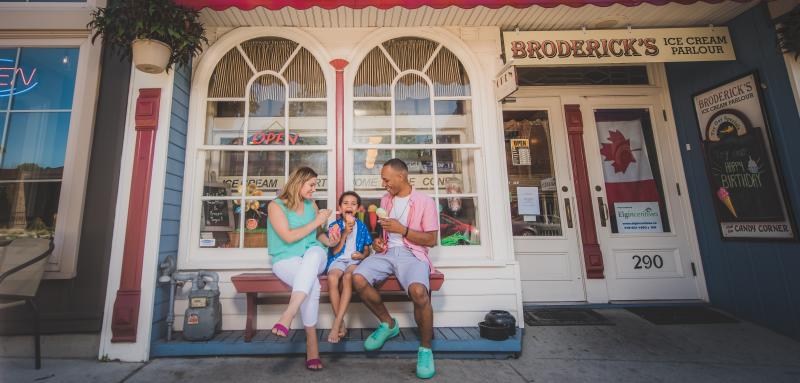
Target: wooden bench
{"points": [[254, 283]]}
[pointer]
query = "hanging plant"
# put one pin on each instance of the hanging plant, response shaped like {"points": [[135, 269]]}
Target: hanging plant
{"points": [[125, 21], [788, 29]]}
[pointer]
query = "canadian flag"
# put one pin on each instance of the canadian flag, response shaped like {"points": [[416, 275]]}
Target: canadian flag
{"points": [[626, 165]]}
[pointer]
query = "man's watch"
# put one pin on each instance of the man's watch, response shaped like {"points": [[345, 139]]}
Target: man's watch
{"points": [[406, 233]]}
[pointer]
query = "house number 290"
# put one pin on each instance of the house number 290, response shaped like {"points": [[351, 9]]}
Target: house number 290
{"points": [[648, 262]]}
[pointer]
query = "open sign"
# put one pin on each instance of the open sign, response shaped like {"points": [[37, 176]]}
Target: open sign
{"points": [[15, 81]]}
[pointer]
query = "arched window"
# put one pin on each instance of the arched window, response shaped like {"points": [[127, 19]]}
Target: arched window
{"points": [[266, 115], [412, 100]]}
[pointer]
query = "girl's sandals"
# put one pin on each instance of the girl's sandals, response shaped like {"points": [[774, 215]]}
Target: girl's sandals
{"points": [[314, 364], [280, 330]]}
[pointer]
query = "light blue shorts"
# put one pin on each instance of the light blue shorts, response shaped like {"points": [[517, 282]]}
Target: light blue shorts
{"points": [[342, 264], [399, 261]]}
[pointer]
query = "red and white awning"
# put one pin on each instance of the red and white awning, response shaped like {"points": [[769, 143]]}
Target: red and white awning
{"points": [[507, 15], [220, 5]]}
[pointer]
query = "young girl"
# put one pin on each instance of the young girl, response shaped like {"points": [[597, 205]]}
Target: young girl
{"points": [[344, 257]]}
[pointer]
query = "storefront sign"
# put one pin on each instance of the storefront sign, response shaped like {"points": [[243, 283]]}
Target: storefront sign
{"points": [[618, 46], [273, 183], [272, 138], [638, 217], [506, 82], [528, 201], [745, 189], [548, 184], [15, 81]]}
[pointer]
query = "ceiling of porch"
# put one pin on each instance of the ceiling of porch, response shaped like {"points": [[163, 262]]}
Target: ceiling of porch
{"points": [[507, 18]]}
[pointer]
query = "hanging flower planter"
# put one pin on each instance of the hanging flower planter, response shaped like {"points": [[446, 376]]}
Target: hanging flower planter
{"points": [[788, 29], [151, 56], [156, 33]]}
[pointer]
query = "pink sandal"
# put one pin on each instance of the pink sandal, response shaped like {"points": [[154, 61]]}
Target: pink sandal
{"points": [[314, 364], [282, 331]]}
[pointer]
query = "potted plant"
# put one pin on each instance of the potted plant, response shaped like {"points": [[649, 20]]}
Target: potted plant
{"points": [[157, 33]]}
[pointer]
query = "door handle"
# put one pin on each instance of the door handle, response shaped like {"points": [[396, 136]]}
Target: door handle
{"points": [[601, 206], [568, 212]]}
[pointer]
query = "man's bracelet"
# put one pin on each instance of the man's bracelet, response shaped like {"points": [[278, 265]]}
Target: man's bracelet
{"points": [[406, 233]]}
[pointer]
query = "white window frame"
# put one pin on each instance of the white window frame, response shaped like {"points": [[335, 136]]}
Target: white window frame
{"points": [[440, 255], [63, 263], [190, 254]]}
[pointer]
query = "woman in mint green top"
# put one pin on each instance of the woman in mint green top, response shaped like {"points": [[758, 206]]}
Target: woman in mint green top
{"points": [[280, 249], [297, 246]]}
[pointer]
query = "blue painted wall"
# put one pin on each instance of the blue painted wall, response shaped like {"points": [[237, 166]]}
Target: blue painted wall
{"points": [[757, 281], [171, 215]]}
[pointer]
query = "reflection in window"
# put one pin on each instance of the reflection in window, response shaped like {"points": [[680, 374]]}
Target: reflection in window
{"points": [[36, 93], [262, 121], [406, 94]]}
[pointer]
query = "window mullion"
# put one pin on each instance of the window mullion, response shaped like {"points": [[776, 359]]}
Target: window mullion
{"points": [[433, 57], [393, 117], [243, 201], [246, 59], [289, 60], [433, 114]]}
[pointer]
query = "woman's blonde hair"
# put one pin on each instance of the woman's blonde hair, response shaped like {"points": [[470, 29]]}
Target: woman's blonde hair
{"points": [[291, 192]]}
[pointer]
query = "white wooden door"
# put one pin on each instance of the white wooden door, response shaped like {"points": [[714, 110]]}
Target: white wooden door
{"points": [[542, 200], [641, 223]]}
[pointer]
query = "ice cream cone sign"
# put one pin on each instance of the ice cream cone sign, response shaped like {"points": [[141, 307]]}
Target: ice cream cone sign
{"points": [[725, 197]]}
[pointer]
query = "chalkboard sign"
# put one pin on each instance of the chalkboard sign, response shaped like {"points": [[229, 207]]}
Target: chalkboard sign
{"points": [[746, 189], [218, 214]]}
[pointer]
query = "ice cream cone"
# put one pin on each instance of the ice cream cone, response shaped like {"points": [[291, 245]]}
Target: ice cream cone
{"points": [[725, 197], [729, 204], [335, 229]]}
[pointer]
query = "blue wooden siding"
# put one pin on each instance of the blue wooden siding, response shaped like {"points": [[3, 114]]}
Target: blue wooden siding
{"points": [[173, 187], [758, 281]]}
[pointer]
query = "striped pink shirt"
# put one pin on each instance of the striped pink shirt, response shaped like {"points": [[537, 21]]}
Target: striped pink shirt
{"points": [[422, 213]]}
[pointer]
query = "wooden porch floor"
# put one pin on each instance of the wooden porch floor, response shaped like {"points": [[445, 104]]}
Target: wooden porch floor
{"points": [[458, 342]]}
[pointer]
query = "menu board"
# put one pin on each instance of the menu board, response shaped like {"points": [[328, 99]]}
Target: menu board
{"points": [[217, 214]]}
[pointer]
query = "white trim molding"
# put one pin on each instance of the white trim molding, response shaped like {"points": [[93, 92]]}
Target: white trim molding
{"points": [[140, 350]]}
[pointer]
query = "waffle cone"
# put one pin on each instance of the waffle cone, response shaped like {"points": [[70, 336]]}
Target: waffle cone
{"points": [[729, 204]]}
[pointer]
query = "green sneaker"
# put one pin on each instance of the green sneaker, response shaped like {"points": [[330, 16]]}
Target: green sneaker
{"points": [[381, 335], [425, 367]]}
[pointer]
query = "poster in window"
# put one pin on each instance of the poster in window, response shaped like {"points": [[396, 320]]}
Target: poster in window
{"points": [[743, 173], [528, 200], [520, 152], [217, 214]]}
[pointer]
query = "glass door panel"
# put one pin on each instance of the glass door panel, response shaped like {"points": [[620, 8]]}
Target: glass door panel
{"points": [[531, 174], [633, 188]]}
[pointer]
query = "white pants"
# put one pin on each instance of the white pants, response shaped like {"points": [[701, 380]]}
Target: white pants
{"points": [[301, 273]]}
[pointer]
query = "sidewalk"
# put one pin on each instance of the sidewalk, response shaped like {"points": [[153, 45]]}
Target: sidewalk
{"points": [[631, 351]]}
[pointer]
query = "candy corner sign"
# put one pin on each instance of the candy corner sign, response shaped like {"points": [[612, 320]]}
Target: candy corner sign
{"points": [[14, 80], [618, 46]]}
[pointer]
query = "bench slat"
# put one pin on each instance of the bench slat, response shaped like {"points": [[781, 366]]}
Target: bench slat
{"points": [[269, 283]]}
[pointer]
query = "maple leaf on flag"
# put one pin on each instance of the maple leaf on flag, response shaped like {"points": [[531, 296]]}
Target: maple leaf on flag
{"points": [[618, 151]]}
